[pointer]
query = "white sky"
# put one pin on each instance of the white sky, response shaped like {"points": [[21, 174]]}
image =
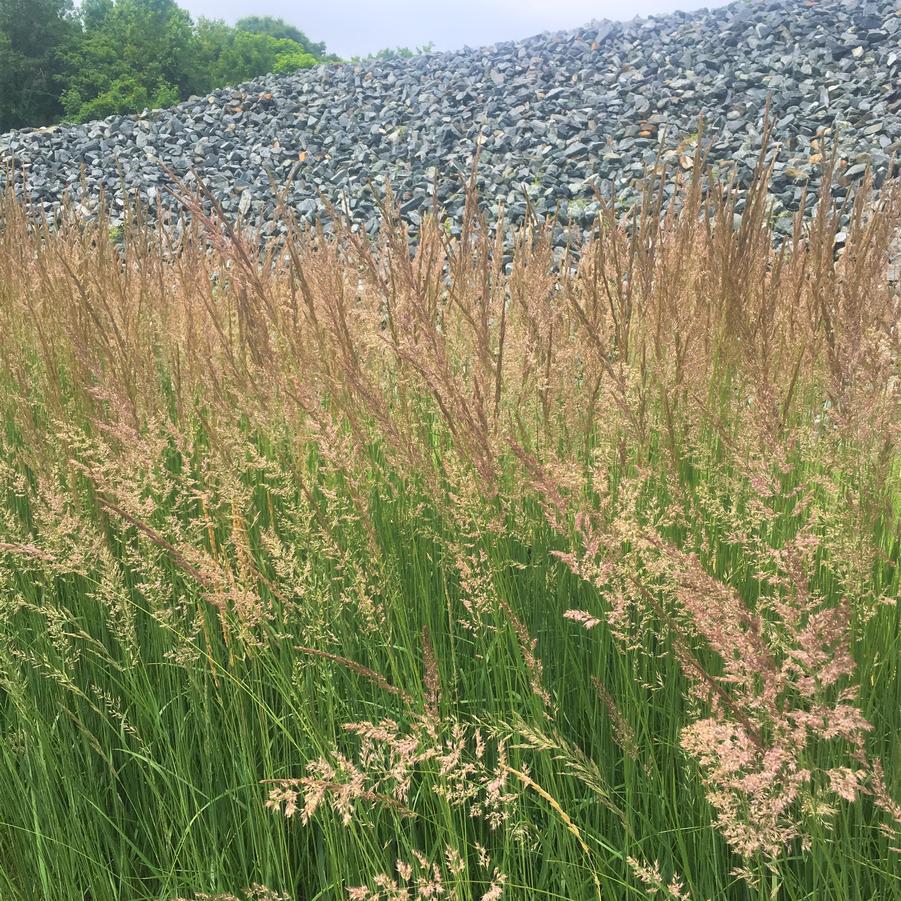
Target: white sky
{"points": [[358, 27]]}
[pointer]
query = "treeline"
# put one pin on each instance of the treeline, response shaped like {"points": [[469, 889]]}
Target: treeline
{"points": [[106, 57]]}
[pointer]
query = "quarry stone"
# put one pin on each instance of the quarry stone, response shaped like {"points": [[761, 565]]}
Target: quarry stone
{"points": [[553, 119]]}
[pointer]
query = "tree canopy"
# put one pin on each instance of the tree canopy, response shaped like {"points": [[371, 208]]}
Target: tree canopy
{"points": [[279, 28], [119, 56], [32, 35]]}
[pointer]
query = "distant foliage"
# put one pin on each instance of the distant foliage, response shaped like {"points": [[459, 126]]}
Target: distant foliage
{"points": [[278, 28], [126, 94], [228, 55], [398, 52], [128, 54], [293, 61], [32, 35], [119, 56]]}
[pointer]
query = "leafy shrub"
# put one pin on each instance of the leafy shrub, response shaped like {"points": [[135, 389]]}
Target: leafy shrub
{"points": [[125, 95], [292, 61]]}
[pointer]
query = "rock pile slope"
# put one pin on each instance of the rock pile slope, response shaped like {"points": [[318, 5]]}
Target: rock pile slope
{"points": [[553, 116]]}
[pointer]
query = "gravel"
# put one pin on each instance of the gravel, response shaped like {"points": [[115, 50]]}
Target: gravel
{"points": [[555, 117]]}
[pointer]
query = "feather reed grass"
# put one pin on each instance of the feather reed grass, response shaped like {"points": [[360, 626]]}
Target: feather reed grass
{"points": [[304, 527]]}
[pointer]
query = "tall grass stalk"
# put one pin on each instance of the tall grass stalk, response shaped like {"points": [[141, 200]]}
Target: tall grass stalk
{"points": [[334, 569]]}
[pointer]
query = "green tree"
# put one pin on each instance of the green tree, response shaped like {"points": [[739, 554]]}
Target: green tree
{"points": [[396, 53], [278, 28], [130, 53], [32, 35], [126, 94], [224, 55], [293, 60], [119, 56]]}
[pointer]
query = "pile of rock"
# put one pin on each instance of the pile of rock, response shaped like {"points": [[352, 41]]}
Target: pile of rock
{"points": [[554, 118]]}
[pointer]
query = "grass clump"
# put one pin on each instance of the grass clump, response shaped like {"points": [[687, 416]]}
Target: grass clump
{"points": [[330, 570]]}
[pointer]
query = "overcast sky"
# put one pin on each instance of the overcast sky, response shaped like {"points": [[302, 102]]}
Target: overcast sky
{"points": [[358, 27]]}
